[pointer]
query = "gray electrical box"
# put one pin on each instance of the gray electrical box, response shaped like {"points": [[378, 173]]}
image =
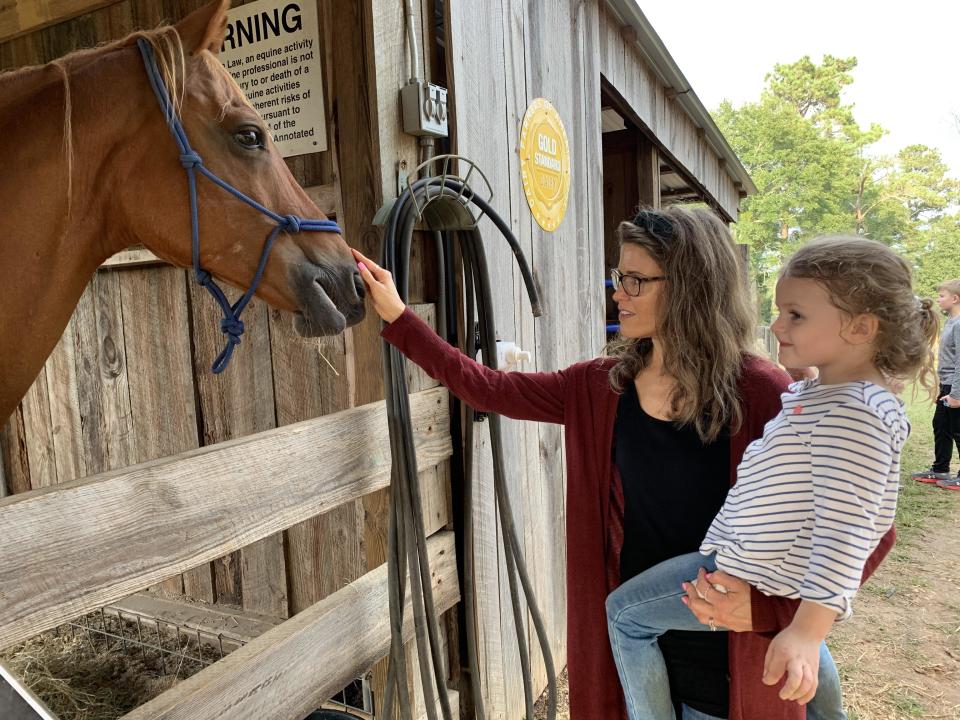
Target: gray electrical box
{"points": [[424, 109]]}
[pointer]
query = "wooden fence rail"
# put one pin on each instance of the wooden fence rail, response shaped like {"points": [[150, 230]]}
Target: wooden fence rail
{"points": [[291, 669], [75, 547]]}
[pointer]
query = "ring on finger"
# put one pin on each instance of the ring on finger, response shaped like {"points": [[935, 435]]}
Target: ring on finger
{"points": [[712, 623]]}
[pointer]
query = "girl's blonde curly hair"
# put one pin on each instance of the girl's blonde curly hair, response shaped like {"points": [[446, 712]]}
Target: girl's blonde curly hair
{"points": [[866, 277]]}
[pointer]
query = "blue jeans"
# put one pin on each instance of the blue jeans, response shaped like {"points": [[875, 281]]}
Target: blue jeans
{"points": [[645, 607]]}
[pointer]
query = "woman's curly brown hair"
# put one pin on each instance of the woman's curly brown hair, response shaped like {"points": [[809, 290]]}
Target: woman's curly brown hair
{"points": [[705, 323]]}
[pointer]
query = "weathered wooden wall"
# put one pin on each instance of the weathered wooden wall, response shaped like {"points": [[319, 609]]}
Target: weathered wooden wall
{"points": [[529, 50], [503, 55], [669, 126]]}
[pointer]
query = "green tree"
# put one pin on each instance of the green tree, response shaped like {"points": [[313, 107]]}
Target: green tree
{"points": [[815, 174]]}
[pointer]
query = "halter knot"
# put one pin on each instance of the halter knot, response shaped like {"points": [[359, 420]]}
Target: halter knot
{"points": [[203, 277], [190, 160], [233, 327], [291, 223]]}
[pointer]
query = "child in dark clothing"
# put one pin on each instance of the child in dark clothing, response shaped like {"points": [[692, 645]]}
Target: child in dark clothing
{"points": [[946, 418]]}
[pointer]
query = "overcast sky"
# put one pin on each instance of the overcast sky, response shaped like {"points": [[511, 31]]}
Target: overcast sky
{"points": [[907, 77]]}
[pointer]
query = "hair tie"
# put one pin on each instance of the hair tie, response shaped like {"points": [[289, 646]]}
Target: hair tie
{"points": [[655, 224]]}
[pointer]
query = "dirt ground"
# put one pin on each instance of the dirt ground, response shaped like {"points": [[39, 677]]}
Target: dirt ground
{"points": [[899, 655]]}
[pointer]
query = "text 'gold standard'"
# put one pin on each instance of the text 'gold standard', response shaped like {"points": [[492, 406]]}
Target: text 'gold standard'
{"points": [[545, 163]]}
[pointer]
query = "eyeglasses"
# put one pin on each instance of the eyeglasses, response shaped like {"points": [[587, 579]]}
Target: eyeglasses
{"points": [[632, 285]]}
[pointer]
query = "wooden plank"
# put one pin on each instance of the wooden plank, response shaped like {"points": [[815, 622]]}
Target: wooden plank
{"points": [[38, 432], [648, 172], [364, 168], [326, 197], [119, 532], [417, 379], [587, 287], [235, 627], [67, 422], [309, 376], [16, 464], [103, 393], [275, 676], [19, 17], [131, 257], [162, 398], [488, 70], [233, 404]]}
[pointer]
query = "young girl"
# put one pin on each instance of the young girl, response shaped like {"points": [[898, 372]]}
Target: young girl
{"points": [[818, 490]]}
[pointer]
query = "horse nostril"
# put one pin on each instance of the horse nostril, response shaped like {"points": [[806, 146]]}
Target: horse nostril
{"points": [[359, 285]]}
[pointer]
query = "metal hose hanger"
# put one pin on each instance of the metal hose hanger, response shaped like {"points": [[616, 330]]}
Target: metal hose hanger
{"points": [[452, 222]]}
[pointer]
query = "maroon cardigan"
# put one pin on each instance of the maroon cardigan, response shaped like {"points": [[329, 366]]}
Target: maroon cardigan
{"points": [[580, 397]]}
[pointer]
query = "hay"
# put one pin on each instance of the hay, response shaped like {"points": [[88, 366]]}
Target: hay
{"points": [[81, 676]]}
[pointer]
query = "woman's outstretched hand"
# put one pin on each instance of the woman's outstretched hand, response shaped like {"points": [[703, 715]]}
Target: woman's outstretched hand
{"points": [[379, 282], [730, 610]]}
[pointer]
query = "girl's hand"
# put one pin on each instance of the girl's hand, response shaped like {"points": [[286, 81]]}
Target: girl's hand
{"points": [[798, 655], [951, 402], [730, 610], [379, 282]]}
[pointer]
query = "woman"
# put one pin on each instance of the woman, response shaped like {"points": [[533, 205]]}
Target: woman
{"points": [[654, 434]]}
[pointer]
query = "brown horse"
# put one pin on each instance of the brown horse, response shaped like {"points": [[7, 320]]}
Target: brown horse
{"points": [[89, 168]]}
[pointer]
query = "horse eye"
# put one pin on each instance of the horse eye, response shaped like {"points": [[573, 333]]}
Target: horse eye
{"points": [[249, 138]]}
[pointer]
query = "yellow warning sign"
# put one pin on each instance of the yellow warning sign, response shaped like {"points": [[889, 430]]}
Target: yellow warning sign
{"points": [[545, 163]]}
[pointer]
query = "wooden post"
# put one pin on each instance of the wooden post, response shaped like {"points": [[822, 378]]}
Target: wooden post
{"points": [[648, 172]]}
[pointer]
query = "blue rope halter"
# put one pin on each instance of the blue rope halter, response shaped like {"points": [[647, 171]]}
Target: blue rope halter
{"points": [[230, 325]]}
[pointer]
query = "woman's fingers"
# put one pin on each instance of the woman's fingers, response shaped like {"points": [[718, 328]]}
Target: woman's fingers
{"points": [[730, 610], [379, 282], [729, 582], [360, 257], [375, 270], [707, 589], [696, 604], [367, 276]]}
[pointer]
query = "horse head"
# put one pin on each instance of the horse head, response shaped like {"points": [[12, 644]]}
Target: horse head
{"points": [[309, 273]]}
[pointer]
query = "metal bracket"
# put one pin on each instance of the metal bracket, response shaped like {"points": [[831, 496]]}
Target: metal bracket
{"points": [[439, 207]]}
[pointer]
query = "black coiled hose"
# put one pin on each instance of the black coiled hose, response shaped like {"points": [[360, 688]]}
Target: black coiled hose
{"points": [[406, 538]]}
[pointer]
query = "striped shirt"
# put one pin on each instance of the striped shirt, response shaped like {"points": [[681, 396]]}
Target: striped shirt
{"points": [[814, 494]]}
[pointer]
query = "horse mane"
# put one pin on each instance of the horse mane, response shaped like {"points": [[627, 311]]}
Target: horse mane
{"points": [[171, 62]]}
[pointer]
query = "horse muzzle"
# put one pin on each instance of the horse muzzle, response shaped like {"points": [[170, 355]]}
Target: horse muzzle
{"points": [[331, 300]]}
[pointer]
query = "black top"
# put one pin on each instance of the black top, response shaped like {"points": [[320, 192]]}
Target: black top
{"points": [[673, 486]]}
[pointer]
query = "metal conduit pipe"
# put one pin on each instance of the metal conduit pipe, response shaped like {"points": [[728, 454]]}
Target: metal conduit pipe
{"points": [[413, 46], [406, 540]]}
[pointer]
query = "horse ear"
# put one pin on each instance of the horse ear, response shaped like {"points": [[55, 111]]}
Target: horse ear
{"points": [[205, 28]]}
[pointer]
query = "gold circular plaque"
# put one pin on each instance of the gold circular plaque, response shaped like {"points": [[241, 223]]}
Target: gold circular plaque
{"points": [[545, 163]]}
